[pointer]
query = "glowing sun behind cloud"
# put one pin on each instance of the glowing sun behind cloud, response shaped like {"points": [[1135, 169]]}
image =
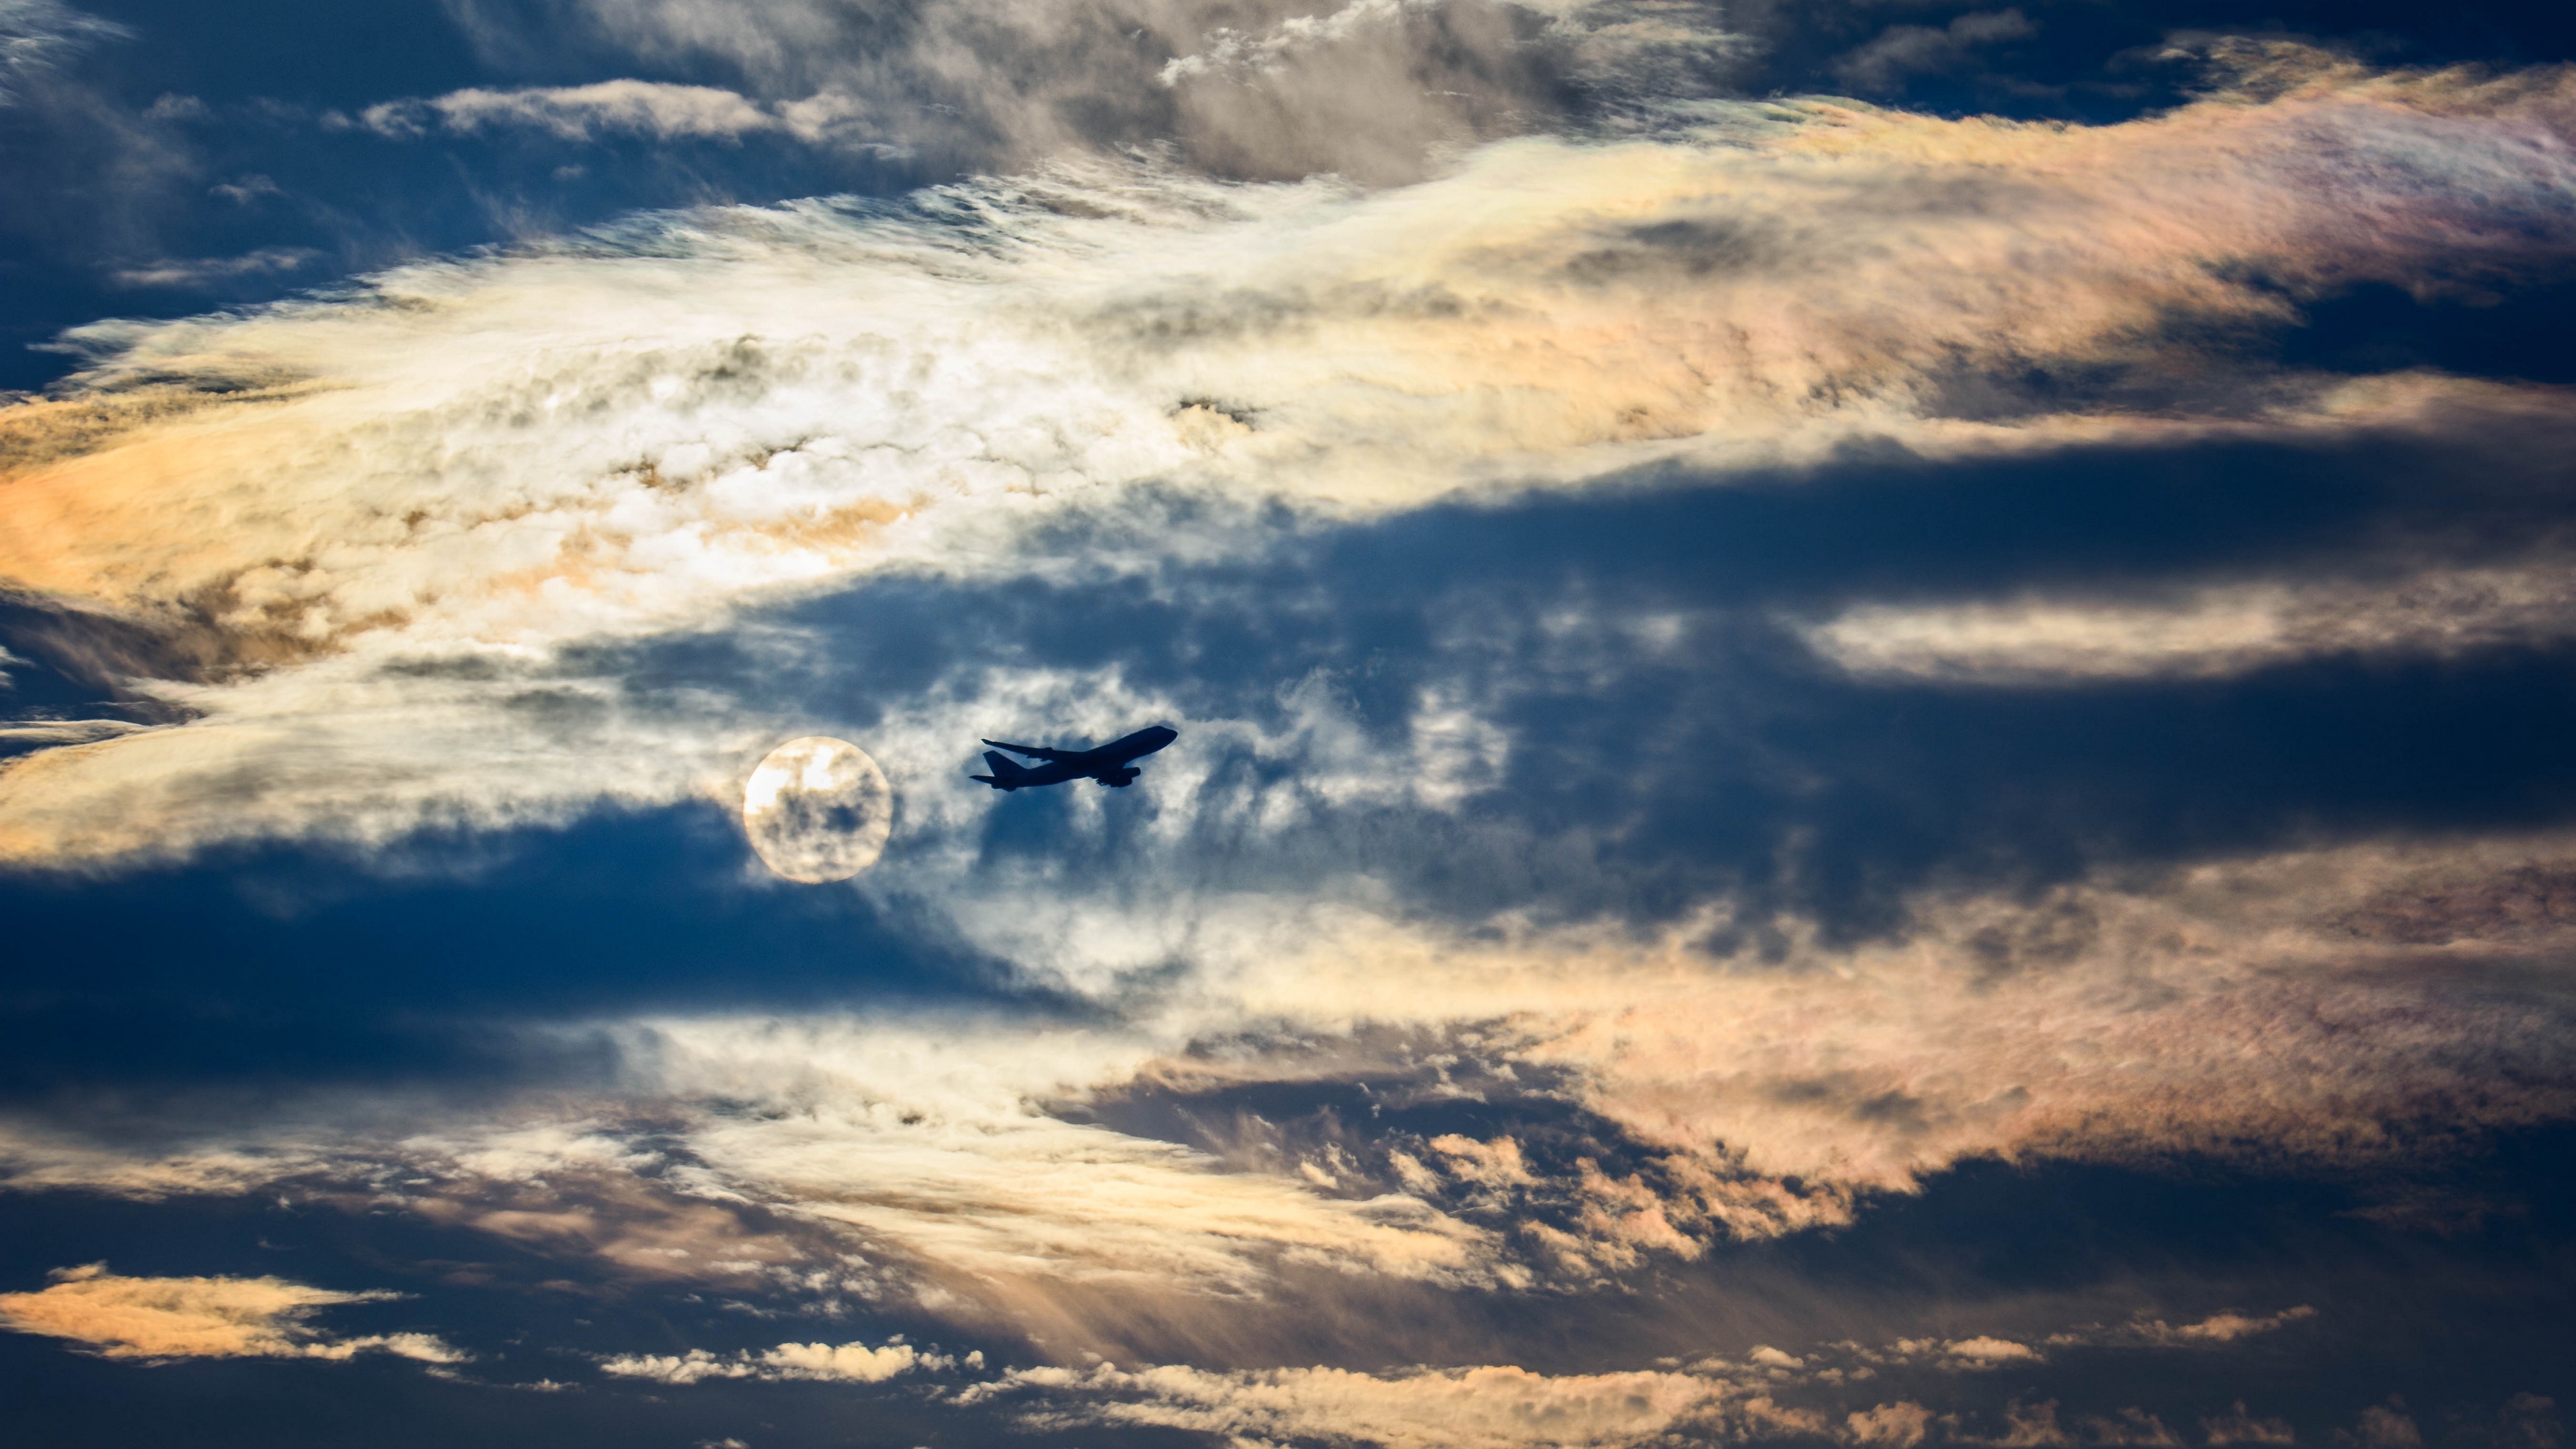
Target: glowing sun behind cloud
{"points": [[818, 810]]}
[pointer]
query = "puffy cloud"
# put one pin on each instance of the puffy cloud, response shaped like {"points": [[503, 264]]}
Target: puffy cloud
{"points": [[847, 1362], [1899, 1425], [169, 1318], [2384, 1426], [2530, 1421]]}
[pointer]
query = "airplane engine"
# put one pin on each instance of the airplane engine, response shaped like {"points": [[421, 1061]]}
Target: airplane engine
{"points": [[1116, 778]]}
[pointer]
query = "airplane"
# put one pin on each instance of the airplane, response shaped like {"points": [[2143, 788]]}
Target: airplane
{"points": [[1107, 763]]}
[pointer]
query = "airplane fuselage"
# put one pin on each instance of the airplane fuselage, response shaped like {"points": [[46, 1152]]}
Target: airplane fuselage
{"points": [[1110, 764]]}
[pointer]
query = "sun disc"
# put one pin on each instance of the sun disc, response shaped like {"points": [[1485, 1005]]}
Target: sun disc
{"points": [[817, 810]]}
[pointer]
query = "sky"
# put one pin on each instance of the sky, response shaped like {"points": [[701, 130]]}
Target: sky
{"points": [[1874, 709]]}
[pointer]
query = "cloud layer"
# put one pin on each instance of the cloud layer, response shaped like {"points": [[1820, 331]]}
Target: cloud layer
{"points": [[1738, 663], [738, 403]]}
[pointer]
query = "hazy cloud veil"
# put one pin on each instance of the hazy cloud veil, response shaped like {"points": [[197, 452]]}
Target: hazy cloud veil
{"points": [[1872, 771]]}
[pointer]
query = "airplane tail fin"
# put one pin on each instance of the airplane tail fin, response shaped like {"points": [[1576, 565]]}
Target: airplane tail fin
{"points": [[1006, 771]]}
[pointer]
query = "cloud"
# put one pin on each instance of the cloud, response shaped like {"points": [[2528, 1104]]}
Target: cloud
{"points": [[498, 542], [848, 1363], [931, 1142], [438, 483], [582, 113], [2238, 1427], [45, 734], [203, 271], [2384, 1426], [1375, 92], [1902, 50], [2230, 1011], [1488, 1407], [2211, 632], [243, 192], [172, 1318], [2530, 1421], [2220, 1328], [1988, 1352], [1898, 1426], [1236, 55], [37, 36]]}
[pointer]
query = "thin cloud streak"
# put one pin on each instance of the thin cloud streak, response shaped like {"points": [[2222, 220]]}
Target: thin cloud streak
{"points": [[1506, 1406], [585, 113], [2208, 633], [38, 36]]}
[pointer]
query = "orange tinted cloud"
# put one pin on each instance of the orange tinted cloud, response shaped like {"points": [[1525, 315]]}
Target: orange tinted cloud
{"points": [[167, 1318]]}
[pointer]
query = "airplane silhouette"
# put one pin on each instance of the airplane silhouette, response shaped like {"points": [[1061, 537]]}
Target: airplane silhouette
{"points": [[1107, 763]]}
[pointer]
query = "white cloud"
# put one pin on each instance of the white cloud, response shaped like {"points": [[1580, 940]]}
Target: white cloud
{"points": [[1986, 1352], [584, 113], [37, 36], [2239, 1427], [200, 271], [847, 1362], [2207, 633], [244, 191], [47, 733]]}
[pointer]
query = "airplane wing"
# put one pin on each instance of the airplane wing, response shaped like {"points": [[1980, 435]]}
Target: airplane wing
{"points": [[1034, 752]]}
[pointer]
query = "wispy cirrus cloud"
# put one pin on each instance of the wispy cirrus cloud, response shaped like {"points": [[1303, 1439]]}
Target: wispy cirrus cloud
{"points": [[37, 36], [1769, 1394], [198, 271], [657, 109], [2209, 632]]}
